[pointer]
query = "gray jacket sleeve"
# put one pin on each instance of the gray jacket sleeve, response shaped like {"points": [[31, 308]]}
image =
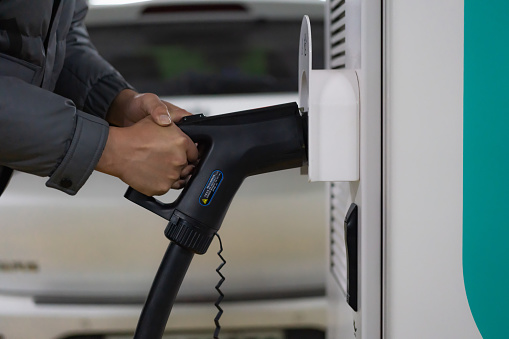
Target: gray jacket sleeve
{"points": [[86, 78], [44, 134]]}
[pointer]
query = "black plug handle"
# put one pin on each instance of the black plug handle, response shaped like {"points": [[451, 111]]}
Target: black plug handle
{"points": [[235, 145], [150, 203], [183, 227]]}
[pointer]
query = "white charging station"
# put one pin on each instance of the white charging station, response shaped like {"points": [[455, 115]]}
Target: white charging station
{"points": [[430, 230]]}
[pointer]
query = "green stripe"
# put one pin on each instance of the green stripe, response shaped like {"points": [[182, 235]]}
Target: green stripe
{"points": [[486, 165]]}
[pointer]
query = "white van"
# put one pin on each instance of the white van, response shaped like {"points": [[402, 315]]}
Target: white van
{"points": [[81, 267]]}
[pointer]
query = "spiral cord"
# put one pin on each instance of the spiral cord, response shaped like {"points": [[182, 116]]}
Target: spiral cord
{"points": [[221, 295]]}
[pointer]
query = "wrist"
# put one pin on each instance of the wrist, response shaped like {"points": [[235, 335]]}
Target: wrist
{"points": [[116, 114], [109, 162]]}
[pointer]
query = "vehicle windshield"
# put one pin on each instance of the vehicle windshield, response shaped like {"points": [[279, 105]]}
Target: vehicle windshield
{"points": [[208, 57]]}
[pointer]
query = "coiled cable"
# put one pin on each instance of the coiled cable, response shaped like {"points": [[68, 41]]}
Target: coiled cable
{"points": [[218, 288]]}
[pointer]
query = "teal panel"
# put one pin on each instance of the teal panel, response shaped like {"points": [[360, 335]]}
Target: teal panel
{"points": [[486, 165]]}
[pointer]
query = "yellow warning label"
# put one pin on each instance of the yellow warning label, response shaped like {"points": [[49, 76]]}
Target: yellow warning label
{"points": [[210, 188]]}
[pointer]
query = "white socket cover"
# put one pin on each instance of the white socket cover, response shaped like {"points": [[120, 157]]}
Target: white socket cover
{"points": [[331, 99], [305, 59]]}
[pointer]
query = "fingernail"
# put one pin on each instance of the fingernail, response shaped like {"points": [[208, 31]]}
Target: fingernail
{"points": [[164, 119]]}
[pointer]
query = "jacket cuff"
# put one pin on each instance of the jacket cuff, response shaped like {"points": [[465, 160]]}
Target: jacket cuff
{"points": [[82, 156]]}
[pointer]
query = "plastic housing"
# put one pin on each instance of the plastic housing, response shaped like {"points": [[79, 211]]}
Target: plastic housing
{"points": [[333, 125]]}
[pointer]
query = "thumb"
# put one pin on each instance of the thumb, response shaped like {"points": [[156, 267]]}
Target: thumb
{"points": [[160, 114], [162, 118], [153, 106]]}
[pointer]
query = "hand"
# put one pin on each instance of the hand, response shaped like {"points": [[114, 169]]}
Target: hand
{"points": [[130, 107], [149, 158]]}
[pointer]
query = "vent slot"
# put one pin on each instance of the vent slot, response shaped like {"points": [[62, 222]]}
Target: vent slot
{"points": [[338, 34], [338, 203], [336, 4]]}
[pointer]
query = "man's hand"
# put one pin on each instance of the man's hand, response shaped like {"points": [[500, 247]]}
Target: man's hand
{"points": [[130, 107], [149, 158]]}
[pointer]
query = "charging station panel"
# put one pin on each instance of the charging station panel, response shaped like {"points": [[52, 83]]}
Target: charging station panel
{"points": [[354, 46]]}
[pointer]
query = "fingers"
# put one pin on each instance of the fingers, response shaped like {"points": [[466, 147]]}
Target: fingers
{"points": [[176, 112], [192, 153], [185, 175], [163, 112], [130, 107]]}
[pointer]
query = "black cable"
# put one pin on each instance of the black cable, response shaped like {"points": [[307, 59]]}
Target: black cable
{"points": [[221, 295], [163, 292]]}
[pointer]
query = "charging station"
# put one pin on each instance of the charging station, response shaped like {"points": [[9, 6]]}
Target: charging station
{"points": [[428, 260]]}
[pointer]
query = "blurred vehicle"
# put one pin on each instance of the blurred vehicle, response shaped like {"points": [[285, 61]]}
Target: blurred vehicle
{"points": [[77, 266], [211, 57]]}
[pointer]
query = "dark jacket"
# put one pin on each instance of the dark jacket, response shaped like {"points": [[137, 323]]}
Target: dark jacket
{"points": [[55, 90]]}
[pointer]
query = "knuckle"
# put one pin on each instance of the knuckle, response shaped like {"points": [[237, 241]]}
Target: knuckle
{"points": [[162, 188], [160, 108], [159, 192], [180, 161], [150, 101], [178, 184], [150, 97], [181, 139], [182, 143], [172, 177]]}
